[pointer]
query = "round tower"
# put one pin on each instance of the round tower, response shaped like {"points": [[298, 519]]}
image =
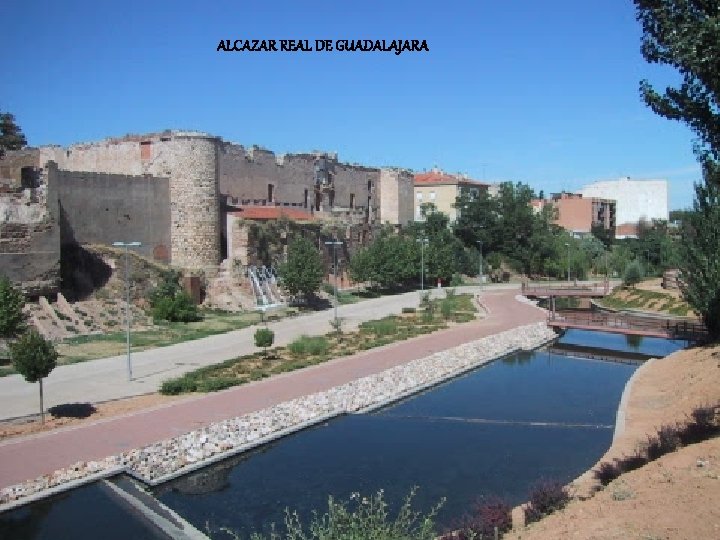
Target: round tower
{"points": [[194, 204]]}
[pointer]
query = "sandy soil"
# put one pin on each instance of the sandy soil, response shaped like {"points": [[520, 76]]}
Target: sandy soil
{"points": [[675, 497], [102, 411]]}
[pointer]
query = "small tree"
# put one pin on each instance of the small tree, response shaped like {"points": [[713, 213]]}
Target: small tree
{"points": [[34, 358], [303, 272], [171, 302], [633, 274], [11, 136], [12, 318], [264, 337]]}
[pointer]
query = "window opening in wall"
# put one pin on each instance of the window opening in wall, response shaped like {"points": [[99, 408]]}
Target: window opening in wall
{"points": [[432, 195], [270, 196], [331, 199], [352, 200], [305, 203], [419, 196], [369, 185], [318, 198]]}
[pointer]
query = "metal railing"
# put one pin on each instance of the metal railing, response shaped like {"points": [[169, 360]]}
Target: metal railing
{"points": [[566, 289]]}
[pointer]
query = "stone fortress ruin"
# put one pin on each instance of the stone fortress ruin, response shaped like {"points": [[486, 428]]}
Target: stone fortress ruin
{"points": [[184, 195]]}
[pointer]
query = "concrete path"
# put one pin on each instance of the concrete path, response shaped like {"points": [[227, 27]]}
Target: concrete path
{"points": [[106, 379], [25, 458]]}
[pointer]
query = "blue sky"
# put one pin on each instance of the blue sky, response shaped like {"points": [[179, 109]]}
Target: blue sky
{"points": [[540, 92]]}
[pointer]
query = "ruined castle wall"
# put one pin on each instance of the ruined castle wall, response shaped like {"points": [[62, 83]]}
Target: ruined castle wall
{"points": [[102, 208], [187, 159], [30, 239], [245, 176], [13, 163]]}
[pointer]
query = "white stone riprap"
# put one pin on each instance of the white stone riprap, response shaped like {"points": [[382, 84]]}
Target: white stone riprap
{"points": [[170, 458]]}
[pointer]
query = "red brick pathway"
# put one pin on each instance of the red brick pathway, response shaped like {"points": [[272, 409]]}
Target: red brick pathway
{"points": [[26, 458]]}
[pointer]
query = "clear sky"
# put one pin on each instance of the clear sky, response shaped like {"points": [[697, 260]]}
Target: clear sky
{"points": [[544, 92]]}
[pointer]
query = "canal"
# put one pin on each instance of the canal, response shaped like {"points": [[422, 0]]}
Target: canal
{"points": [[491, 432]]}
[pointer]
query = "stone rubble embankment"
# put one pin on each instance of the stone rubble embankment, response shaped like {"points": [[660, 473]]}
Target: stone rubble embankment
{"points": [[170, 458]]}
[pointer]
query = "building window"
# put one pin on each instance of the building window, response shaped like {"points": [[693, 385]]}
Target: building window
{"points": [[352, 201], [271, 193], [419, 196], [432, 195], [305, 203]]}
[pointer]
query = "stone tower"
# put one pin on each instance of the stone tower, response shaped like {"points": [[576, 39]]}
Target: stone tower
{"points": [[194, 206]]}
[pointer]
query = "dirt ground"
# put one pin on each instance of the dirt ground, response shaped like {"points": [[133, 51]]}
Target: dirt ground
{"points": [[102, 411], [675, 497]]}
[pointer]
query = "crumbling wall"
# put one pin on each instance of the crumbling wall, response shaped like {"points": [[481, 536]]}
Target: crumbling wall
{"points": [[318, 182], [101, 208], [30, 238]]}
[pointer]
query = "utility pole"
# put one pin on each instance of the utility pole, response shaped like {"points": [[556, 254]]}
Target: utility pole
{"points": [[480, 275], [128, 315], [567, 245]]}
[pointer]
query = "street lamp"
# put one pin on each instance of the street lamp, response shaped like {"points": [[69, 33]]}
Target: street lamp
{"points": [[480, 275], [127, 245], [568, 260], [335, 244], [423, 242]]}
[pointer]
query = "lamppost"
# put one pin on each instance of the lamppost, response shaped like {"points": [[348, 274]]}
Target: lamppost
{"points": [[423, 242], [480, 275], [567, 245], [335, 244], [128, 323]]}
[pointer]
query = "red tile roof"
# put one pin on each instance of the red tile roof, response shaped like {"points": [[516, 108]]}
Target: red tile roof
{"points": [[442, 178], [272, 212]]}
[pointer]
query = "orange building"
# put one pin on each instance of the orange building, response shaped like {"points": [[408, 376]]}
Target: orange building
{"points": [[578, 214]]}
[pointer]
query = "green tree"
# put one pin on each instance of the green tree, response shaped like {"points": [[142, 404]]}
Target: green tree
{"points": [[685, 35], [11, 136], [12, 318], [264, 337], [633, 274], [699, 259], [303, 272], [390, 261], [170, 302], [34, 358]]}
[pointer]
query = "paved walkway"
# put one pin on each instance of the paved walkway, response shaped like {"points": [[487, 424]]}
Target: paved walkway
{"points": [[29, 457], [106, 379]]}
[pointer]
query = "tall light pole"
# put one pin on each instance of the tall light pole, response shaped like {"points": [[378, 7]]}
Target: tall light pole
{"points": [[335, 244], [128, 316], [423, 242], [480, 275], [567, 245]]}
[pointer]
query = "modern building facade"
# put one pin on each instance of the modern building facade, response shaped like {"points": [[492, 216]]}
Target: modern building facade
{"points": [[578, 214]]}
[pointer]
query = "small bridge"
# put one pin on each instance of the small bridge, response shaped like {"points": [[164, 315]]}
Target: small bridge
{"points": [[629, 324], [588, 290]]}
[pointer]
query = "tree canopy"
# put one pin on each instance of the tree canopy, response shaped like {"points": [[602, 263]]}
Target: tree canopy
{"points": [[685, 35], [12, 318], [11, 136], [303, 272]]}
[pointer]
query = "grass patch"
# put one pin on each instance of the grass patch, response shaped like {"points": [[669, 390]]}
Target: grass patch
{"points": [[640, 299], [309, 346]]}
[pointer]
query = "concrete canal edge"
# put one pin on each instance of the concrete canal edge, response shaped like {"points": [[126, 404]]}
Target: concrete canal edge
{"points": [[621, 416]]}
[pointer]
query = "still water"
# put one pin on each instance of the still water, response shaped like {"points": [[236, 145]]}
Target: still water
{"points": [[492, 432]]}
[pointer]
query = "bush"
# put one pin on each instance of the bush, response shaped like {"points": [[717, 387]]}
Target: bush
{"points": [[546, 497], [359, 519], [702, 426], [171, 303], [264, 337], [12, 318], [382, 327], [633, 274], [180, 385], [309, 346], [607, 472], [667, 440], [217, 384]]}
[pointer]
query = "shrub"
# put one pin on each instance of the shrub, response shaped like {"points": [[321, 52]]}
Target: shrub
{"points": [[217, 384], [12, 318], [667, 440], [702, 425], [180, 385], [447, 308], [179, 308], [546, 497], [307, 345], [264, 337], [360, 518], [382, 327], [407, 310], [633, 274], [607, 472], [631, 463]]}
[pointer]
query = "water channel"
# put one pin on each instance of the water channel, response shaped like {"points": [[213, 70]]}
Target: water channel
{"points": [[492, 432]]}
